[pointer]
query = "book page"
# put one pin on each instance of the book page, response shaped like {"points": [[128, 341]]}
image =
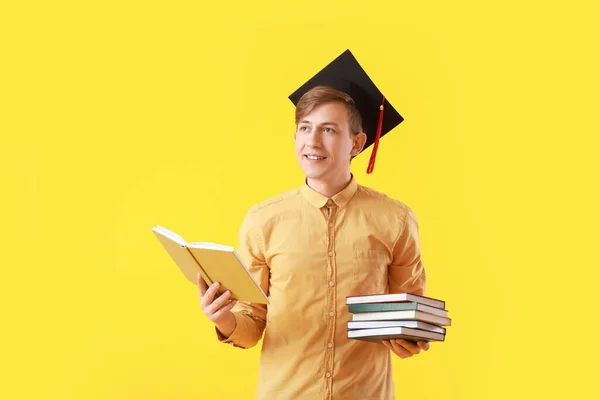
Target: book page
{"points": [[169, 234], [211, 246]]}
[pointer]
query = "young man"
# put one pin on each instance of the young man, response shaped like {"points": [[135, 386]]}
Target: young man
{"points": [[311, 247]]}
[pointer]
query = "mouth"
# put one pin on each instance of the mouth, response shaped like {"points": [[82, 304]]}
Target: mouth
{"points": [[313, 157]]}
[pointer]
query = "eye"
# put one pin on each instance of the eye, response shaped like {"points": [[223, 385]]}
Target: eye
{"points": [[328, 130], [303, 128]]}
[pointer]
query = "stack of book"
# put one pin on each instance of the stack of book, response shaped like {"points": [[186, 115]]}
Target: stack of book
{"points": [[397, 316]]}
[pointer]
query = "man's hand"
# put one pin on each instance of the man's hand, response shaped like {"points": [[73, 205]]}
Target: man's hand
{"points": [[404, 348], [217, 310]]}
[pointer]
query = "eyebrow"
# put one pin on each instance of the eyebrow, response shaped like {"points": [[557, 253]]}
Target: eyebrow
{"points": [[324, 123]]}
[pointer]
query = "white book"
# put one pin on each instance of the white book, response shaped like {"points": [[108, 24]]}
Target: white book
{"points": [[402, 315], [379, 334], [352, 325]]}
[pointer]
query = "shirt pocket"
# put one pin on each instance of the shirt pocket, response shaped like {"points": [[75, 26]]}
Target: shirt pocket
{"points": [[370, 271]]}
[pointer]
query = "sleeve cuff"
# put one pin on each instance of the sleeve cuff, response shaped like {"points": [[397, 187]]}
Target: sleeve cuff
{"points": [[236, 336]]}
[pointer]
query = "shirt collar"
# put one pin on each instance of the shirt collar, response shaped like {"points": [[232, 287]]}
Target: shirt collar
{"points": [[340, 199]]}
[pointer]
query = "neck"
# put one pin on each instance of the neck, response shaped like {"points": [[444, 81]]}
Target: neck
{"points": [[329, 188]]}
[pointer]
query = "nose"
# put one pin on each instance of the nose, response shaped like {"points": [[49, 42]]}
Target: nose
{"points": [[313, 138]]}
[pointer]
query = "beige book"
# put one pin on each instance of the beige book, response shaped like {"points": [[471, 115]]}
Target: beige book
{"points": [[215, 263]]}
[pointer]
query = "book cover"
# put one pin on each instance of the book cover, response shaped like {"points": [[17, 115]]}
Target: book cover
{"points": [[375, 307], [396, 297], [353, 325], [402, 315], [379, 334], [215, 263]]}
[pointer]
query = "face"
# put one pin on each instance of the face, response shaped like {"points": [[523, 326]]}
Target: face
{"points": [[324, 144]]}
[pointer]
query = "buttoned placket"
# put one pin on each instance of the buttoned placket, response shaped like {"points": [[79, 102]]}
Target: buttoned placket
{"points": [[331, 297]]}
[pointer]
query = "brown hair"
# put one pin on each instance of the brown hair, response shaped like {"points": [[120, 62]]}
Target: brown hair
{"points": [[322, 94]]}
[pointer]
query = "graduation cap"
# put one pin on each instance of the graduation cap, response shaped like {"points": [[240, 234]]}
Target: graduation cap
{"points": [[346, 75]]}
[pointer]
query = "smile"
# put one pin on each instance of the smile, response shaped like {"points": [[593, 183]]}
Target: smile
{"points": [[314, 158]]}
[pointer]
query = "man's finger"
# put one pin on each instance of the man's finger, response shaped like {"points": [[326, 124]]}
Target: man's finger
{"points": [[388, 344], [409, 346], [224, 309], [202, 286], [423, 344], [209, 296], [219, 302], [399, 350]]}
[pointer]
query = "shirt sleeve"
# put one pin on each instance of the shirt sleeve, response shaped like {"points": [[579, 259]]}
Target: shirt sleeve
{"points": [[250, 318], [406, 272]]}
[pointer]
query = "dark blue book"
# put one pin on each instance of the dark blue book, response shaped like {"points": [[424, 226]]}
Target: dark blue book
{"points": [[380, 307]]}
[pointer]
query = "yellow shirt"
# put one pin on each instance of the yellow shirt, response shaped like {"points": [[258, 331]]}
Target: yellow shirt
{"points": [[309, 252]]}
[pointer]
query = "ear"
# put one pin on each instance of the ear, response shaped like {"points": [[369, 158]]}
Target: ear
{"points": [[359, 142]]}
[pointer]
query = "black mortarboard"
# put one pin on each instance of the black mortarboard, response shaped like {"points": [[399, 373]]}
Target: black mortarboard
{"points": [[346, 75]]}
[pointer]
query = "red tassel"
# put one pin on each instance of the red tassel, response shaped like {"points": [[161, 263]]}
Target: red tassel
{"points": [[377, 136]]}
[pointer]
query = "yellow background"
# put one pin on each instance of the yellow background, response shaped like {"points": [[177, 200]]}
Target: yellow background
{"points": [[115, 116]]}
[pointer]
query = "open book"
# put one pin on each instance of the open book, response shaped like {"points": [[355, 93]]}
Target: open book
{"points": [[215, 263]]}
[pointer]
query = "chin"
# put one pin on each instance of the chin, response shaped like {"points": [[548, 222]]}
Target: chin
{"points": [[315, 176], [313, 173]]}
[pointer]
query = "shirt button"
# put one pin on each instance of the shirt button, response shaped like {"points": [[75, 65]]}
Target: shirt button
{"points": [[331, 314], [331, 254], [328, 374], [331, 225], [331, 283], [330, 345]]}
